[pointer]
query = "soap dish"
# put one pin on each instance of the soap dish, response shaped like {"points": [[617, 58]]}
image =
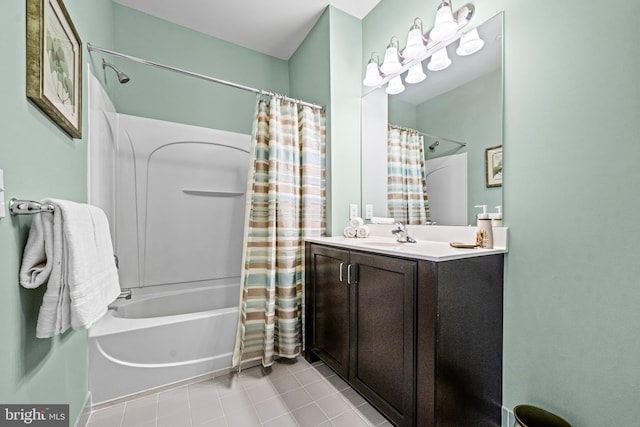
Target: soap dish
{"points": [[462, 245]]}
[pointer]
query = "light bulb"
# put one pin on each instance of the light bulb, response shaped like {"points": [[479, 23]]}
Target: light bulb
{"points": [[470, 43], [373, 77], [415, 74], [445, 26], [439, 60], [391, 64], [395, 86], [415, 42]]}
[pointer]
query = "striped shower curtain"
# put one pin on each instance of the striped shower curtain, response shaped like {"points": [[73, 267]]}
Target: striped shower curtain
{"points": [[285, 203], [406, 179]]}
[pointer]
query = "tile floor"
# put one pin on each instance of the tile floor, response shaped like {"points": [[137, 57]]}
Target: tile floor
{"points": [[289, 394]]}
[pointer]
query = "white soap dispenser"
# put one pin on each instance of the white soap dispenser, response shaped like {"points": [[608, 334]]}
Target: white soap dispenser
{"points": [[496, 218], [484, 234]]}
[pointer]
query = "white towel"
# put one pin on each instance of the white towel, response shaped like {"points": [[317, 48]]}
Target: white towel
{"points": [[356, 222], [382, 220], [363, 231], [349, 231], [71, 251]]}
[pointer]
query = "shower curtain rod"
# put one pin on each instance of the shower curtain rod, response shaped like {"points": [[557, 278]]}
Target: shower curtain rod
{"points": [[464, 144], [92, 48]]}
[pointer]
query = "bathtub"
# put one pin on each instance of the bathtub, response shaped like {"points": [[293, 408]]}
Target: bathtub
{"points": [[160, 337]]}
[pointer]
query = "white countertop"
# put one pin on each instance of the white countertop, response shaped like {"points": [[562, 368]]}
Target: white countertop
{"points": [[425, 248]]}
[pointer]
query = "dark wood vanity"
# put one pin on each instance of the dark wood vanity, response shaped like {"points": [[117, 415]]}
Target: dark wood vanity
{"points": [[421, 340]]}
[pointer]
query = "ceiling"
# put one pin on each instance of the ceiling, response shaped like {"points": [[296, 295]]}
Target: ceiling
{"points": [[274, 27]]}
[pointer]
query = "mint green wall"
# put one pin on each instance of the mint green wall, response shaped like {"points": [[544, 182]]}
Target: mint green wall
{"points": [[402, 113], [571, 150], [309, 79], [470, 113], [39, 161], [344, 164], [325, 70], [160, 94]]}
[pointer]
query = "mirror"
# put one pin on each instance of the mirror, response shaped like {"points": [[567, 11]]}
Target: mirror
{"points": [[459, 113]]}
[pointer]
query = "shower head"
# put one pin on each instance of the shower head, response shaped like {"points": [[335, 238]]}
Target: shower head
{"points": [[434, 145], [122, 77]]}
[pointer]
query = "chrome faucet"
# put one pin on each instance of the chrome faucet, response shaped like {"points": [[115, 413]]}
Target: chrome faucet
{"points": [[401, 233]]}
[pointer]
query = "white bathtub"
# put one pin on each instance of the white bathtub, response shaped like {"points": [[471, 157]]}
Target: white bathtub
{"points": [[161, 337]]}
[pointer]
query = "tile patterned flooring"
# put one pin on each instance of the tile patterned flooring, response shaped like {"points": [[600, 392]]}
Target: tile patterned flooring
{"points": [[289, 394]]}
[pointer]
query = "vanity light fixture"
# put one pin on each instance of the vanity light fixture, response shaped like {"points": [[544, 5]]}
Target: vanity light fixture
{"points": [[391, 64], [420, 46]]}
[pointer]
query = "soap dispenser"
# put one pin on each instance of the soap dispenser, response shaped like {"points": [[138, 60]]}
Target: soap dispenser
{"points": [[496, 218], [484, 234]]}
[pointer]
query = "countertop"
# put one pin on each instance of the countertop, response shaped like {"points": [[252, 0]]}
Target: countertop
{"points": [[430, 250]]}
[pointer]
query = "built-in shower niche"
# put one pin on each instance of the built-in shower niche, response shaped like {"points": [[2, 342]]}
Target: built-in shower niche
{"points": [[180, 199]]}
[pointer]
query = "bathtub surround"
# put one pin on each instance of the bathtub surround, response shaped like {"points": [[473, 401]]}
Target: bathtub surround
{"points": [[176, 195], [70, 251], [285, 204]]}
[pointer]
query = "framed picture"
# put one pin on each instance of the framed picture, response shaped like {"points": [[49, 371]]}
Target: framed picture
{"points": [[54, 64], [493, 166]]}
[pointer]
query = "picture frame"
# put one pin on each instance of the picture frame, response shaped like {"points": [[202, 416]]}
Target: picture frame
{"points": [[493, 166], [54, 64]]}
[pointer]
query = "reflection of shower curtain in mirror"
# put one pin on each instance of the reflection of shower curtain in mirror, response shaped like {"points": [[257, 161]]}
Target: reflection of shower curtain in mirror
{"points": [[406, 181]]}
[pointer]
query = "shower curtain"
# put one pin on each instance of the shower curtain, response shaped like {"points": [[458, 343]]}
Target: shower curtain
{"points": [[406, 178], [285, 203]]}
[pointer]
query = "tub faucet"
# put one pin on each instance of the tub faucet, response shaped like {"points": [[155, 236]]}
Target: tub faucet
{"points": [[401, 233], [125, 294]]}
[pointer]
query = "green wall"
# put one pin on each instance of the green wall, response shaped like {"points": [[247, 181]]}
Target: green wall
{"points": [[325, 69], [402, 113], [39, 161], [185, 99], [344, 163], [571, 155]]}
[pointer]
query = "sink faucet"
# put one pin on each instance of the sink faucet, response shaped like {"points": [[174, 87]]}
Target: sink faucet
{"points": [[401, 233]]}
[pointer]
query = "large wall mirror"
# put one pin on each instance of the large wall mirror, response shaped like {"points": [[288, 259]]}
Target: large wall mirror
{"points": [[459, 114]]}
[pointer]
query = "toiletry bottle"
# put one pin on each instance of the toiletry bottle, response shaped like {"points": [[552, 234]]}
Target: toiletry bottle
{"points": [[484, 234], [496, 218]]}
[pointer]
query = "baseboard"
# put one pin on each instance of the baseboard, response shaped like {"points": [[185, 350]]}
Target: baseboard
{"points": [[170, 386], [83, 419], [508, 420]]}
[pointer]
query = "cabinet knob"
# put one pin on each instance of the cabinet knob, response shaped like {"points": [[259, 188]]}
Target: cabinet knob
{"points": [[341, 278]]}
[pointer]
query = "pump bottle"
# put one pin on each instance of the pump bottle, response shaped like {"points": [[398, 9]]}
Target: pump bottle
{"points": [[496, 218], [484, 233]]}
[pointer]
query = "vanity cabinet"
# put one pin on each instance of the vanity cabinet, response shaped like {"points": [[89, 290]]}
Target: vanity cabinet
{"points": [[420, 340], [361, 307]]}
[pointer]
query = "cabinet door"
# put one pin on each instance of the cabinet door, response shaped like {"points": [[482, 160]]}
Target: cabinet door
{"points": [[382, 355], [329, 328]]}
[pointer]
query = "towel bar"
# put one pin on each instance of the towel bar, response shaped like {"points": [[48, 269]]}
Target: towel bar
{"points": [[28, 207]]}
